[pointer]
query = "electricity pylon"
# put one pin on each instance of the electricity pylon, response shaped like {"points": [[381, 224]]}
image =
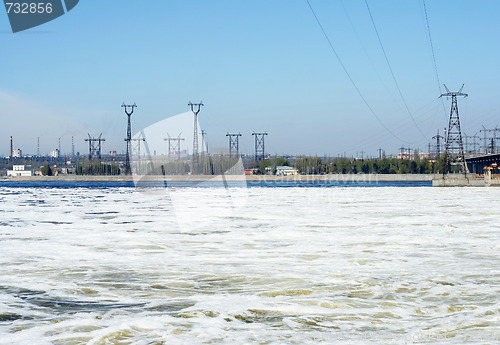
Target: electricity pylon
{"points": [[195, 135], [454, 149], [234, 143], [128, 171]]}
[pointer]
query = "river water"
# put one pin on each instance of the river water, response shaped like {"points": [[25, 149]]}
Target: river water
{"points": [[260, 265]]}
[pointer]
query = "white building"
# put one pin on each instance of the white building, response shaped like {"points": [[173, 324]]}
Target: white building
{"points": [[54, 153], [19, 170], [17, 153], [283, 170]]}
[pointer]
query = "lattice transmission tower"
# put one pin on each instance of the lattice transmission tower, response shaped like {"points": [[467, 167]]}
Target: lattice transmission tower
{"points": [[260, 152], [95, 146], [234, 143], [137, 147], [128, 140], [174, 145], [490, 146], [195, 109], [438, 143], [454, 149]]}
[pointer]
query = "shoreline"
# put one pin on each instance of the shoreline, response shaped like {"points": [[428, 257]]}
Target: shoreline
{"points": [[196, 178]]}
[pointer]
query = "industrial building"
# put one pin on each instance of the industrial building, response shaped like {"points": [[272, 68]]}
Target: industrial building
{"points": [[476, 165], [55, 153], [283, 170], [17, 153], [19, 170]]}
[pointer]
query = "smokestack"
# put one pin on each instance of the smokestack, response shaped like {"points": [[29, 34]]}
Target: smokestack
{"points": [[11, 149]]}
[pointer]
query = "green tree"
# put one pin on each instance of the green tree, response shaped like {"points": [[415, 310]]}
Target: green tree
{"points": [[365, 168], [46, 170], [309, 165], [413, 167]]}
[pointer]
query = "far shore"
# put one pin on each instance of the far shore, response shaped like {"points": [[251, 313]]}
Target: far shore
{"points": [[195, 178]]}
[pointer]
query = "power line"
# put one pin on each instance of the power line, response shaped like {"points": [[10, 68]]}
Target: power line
{"points": [[392, 72], [349, 76], [366, 52], [433, 54]]}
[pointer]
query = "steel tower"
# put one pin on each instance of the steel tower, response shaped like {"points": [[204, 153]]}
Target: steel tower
{"points": [[128, 171], [454, 149]]}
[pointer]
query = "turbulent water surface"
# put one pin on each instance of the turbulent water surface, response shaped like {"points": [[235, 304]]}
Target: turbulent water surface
{"points": [[386, 265]]}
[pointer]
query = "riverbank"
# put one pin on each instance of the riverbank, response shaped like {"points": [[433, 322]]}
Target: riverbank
{"points": [[326, 177]]}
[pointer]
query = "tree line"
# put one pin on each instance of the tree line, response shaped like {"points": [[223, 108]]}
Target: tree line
{"points": [[96, 167], [315, 165]]}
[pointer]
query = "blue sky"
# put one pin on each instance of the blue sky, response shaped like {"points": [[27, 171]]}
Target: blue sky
{"points": [[257, 66]]}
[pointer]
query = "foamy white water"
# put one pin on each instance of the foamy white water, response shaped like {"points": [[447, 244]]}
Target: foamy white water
{"points": [[292, 266]]}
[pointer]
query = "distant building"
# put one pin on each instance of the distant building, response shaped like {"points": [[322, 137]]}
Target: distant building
{"points": [[17, 153], [19, 170], [54, 153], [411, 156], [283, 170], [253, 171], [489, 162]]}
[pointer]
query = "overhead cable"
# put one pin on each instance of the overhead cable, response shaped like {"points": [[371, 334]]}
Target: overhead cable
{"points": [[349, 76], [392, 72]]}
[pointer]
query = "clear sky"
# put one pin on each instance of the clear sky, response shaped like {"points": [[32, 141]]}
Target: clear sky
{"points": [[257, 65]]}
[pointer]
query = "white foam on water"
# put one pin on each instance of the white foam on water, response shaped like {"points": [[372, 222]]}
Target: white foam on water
{"points": [[289, 265]]}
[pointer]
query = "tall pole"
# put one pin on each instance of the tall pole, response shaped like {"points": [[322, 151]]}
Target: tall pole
{"points": [[90, 146], [138, 145], [128, 171], [485, 147], [402, 151], [195, 109], [203, 140], [495, 137], [475, 143], [438, 143]]}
